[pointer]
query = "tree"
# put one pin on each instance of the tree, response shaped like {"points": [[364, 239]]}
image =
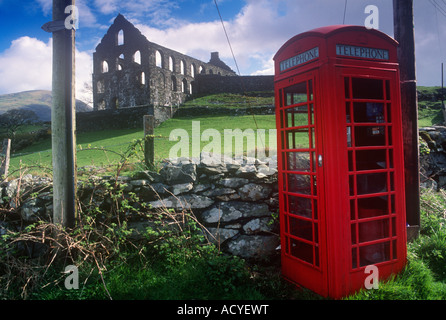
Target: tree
{"points": [[13, 119]]}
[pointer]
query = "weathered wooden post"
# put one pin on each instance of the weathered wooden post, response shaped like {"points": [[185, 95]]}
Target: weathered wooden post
{"points": [[149, 141], [404, 34], [4, 158], [63, 111]]}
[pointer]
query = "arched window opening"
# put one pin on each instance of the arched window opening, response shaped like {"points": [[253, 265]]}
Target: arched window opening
{"points": [[174, 83], [104, 67], [120, 62], [158, 59], [120, 38], [192, 70], [182, 69], [171, 64], [101, 104], [143, 78], [100, 86], [137, 57], [184, 86]]}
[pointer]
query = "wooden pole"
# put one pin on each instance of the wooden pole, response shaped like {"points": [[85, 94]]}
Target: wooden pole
{"points": [[404, 34], [63, 120], [149, 141], [442, 91], [4, 158]]}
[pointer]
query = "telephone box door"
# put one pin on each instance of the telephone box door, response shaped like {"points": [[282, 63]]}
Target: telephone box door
{"points": [[301, 181], [375, 181]]}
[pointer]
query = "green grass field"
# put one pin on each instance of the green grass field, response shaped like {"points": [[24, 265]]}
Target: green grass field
{"points": [[103, 148]]}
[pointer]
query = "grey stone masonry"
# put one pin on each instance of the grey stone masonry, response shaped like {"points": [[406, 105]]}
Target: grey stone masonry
{"points": [[129, 70], [236, 203]]}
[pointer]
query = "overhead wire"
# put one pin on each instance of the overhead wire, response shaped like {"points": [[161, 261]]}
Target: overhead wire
{"points": [[235, 60], [345, 11], [439, 7]]}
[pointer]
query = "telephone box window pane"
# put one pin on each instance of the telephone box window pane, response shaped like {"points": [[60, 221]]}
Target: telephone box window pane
{"points": [[367, 88], [368, 112], [349, 137], [310, 90], [374, 253], [313, 139], [311, 114], [347, 112], [393, 227], [370, 136], [298, 161], [391, 159], [392, 204], [371, 159], [316, 258], [301, 250], [394, 250], [350, 161], [298, 183], [297, 116], [388, 96], [353, 233], [299, 206], [316, 233], [389, 113], [314, 178], [298, 139], [373, 207], [301, 229], [354, 258], [353, 209], [347, 88], [373, 230], [315, 216], [296, 94], [390, 136], [371, 183], [351, 180], [392, 181]]}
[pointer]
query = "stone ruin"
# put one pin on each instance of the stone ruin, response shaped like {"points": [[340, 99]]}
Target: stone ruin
{"points": [[129, 70]]}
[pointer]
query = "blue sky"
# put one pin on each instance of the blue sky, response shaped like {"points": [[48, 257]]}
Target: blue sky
{"points": [[256, 28]]}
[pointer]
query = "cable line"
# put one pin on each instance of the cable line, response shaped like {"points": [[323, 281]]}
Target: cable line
{"points": [[236, 64]]}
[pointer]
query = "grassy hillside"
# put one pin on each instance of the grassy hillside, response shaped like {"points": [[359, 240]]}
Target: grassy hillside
{"points": [[102, 148], [429, 106], [40, 101]]}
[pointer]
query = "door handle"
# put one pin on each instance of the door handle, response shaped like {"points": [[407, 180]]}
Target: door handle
{"points": [[319, 160]]}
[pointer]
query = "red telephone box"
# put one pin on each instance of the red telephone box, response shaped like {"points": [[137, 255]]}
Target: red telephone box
{"points": [[340, 158]]}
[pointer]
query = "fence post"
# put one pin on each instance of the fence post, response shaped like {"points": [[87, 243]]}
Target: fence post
{"points": [[5, 152], [149, 141]]}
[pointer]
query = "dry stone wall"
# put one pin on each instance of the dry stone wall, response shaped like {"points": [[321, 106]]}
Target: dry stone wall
{"points": [[235, 201]]}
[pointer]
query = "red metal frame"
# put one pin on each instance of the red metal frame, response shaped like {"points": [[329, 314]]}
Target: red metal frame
{"points": [[340, 158]]}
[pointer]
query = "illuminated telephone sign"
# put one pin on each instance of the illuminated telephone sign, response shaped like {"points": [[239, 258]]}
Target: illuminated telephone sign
{"points": [[340, 158]]}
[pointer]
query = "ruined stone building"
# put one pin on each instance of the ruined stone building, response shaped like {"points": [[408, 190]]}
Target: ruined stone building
{"points": [[129, 70]]}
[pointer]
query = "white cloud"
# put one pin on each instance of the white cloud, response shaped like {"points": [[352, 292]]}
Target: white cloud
{"points": [[255, 35], [157, 11], [46, 5], [27, 65]]}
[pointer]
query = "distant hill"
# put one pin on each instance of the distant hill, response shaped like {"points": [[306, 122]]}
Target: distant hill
{"points": [[39, 101]]}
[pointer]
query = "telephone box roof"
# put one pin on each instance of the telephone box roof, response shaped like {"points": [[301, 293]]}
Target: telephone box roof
{"points": [[329, 31]]}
